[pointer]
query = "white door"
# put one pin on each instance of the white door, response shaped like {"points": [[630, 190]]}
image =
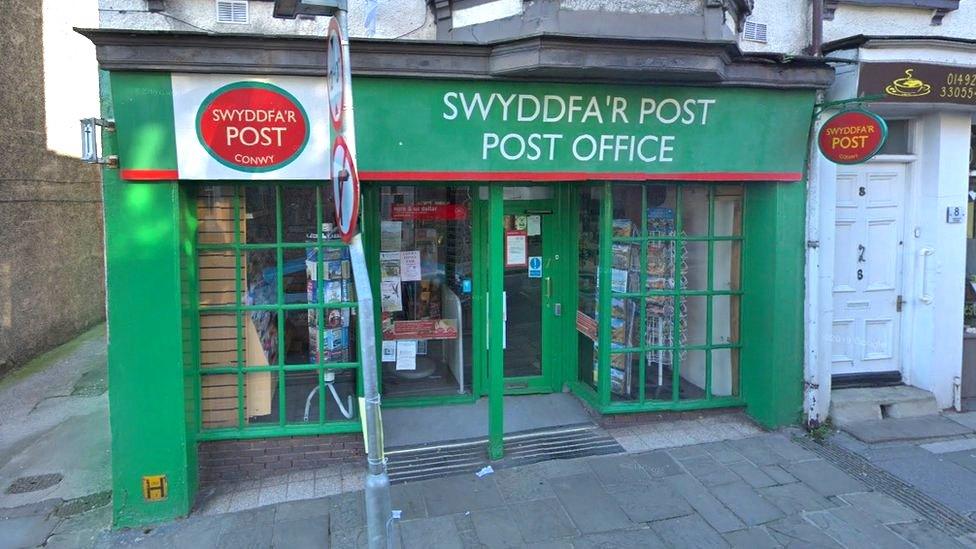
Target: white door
{"points": [[867, 268]]}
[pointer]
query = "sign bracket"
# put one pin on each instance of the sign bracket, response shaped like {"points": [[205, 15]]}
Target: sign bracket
{"points": [[821, 107]]}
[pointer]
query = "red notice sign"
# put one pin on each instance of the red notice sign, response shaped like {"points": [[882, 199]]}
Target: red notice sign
{"points": [[428, 212], [852, 137]]}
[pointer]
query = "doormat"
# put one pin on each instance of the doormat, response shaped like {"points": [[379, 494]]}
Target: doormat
{"points": [[33, 483], [422, 463]]}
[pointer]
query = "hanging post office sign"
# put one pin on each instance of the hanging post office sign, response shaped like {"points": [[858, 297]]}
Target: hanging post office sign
{"points": [[242, 127], [852, 137]]}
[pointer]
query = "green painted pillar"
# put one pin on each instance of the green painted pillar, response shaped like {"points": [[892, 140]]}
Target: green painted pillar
{"points": [[496, 325], [772, 304], [150, 385]]}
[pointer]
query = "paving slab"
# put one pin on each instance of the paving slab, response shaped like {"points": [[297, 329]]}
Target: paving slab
{"points": [[795, 498], [621, 539], [590, 507], [967, 419], [437, 532], [824, 478], [754, 476], [723, 452], [881, 507], [302, 532], [949, 446], [659, 464], [619, 470], [751, 538], [937, 477], [408, 498], [794, 531], [688, 532], [778, 474], [710, 509], [708, 471], [755, 450], [542, 520], [746, 503], [909, 428], [26, 531], [925, 535], [249, 537], [853, 528], [657, 501], [460, 493], [497, 528], [522, 483], [966, 458]]}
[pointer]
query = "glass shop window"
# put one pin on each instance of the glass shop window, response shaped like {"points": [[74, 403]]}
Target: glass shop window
{"points": [[425, 266], [587, 280], [276, 305], [674, 291]]}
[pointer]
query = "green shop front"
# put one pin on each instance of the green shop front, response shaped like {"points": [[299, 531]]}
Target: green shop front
{"points": [[634, 243]]}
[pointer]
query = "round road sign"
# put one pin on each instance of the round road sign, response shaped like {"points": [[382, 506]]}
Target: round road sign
{"points": [[335, 76], [345, 186]]}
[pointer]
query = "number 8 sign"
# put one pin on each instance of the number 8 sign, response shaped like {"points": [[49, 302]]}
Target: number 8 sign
{"points": [[345, 186]]}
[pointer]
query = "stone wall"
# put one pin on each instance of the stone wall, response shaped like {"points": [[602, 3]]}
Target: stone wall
{"points": [[51, 268]]}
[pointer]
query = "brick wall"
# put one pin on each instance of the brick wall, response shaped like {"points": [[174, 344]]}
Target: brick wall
{"points": [[230, 460]]}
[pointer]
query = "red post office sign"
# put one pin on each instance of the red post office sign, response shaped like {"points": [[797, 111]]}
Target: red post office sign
{"points": [[252, 126], [852, 137]]}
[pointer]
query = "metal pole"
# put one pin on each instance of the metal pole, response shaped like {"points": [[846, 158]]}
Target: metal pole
{"points": [[378, 510]]}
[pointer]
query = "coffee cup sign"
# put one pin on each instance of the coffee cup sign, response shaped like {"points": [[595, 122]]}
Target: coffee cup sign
{"points": [[252, 126], [852, 137]]}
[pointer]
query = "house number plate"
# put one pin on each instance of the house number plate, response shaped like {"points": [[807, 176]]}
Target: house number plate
{"points": [[955, 214]]}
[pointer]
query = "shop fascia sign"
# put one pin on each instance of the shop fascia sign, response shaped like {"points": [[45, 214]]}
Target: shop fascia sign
{"points": [[240, 127], [909, 82], [852, 137], [505, 131]]}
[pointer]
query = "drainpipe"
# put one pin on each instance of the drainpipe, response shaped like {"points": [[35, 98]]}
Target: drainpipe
{"points": [[811, 326], [816, 28]]}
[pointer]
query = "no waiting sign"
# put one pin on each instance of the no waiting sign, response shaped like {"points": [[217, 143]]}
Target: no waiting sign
{"points": [[345, 187], [336, 75]]}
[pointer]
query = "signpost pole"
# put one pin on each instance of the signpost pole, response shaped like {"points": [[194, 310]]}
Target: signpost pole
{"points": [[379, 516]]}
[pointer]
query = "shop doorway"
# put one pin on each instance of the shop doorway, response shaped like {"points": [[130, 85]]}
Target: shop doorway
{"points": [[868, 262], [530, 263]]}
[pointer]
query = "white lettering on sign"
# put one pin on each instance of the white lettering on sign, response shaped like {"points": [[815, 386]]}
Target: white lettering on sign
{"points": [[577, 109]]}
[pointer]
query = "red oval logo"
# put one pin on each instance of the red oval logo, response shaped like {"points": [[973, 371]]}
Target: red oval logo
{"points": [[252, 126], [852, 137]]}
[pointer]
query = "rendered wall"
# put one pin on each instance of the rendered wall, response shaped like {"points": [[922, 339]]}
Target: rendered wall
{"points": [[394, 18], [51, 282]]}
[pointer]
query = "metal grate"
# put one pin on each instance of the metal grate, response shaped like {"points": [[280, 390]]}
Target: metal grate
{"points": [[33, 483], [878, 479], [232, 11], [754, 31], [423, 463]]}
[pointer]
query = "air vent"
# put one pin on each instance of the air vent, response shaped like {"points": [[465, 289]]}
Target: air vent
{"points": [[232, 11], [755, 32]]}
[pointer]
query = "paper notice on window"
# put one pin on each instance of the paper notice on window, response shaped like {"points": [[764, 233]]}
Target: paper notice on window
{"points": [[534, 225], [410, 266], [390, 295], [389, 351], [618, 280], [390, 236], [406, 355], [515, 249]]}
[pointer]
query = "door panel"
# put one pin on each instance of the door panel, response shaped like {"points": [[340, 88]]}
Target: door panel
{"points": [[869, 231]]}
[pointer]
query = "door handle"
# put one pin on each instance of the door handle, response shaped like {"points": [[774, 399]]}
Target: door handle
{"points": [[925, 296], [548, 286], [504, 320]]}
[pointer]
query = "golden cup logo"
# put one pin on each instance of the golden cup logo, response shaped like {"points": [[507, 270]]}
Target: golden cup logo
{"points": [[908, 86]]}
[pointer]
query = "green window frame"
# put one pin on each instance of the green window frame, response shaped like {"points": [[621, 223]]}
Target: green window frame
{"points": [[323, 424], [604, 399]]}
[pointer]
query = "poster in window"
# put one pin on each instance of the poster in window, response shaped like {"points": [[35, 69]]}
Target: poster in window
{"points": [[516, 249], [406, 355], [391, 236], [410, 266]]}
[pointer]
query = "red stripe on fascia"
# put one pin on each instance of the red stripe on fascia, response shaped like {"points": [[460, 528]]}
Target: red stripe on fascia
{"points": [[578, 176], [150, 175]]}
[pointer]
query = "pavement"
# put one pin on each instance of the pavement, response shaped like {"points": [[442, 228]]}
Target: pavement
{"points": [[700, 481]]}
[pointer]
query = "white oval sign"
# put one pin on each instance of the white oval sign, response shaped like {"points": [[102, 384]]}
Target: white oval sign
{"points": [[345, 186], [335, 74]]}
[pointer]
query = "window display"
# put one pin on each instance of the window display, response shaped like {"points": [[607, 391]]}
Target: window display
{"points": [[425, 285], [674, 290], [275, 291]]}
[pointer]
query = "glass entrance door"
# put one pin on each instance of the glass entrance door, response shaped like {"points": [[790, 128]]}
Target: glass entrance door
{"points": [[528, 298]]}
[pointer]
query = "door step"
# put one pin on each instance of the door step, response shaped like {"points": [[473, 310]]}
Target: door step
{"points": [[867, 404], [468, 457]]}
